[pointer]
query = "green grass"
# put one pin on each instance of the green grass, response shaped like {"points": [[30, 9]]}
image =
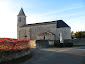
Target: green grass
{"points": [[78, 45], [18, 60]]}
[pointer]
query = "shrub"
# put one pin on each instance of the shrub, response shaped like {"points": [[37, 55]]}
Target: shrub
{"points": [[68, 44], [10, 45], [80, 34], [58, 44]]}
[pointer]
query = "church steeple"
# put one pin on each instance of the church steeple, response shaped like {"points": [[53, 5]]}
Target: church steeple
{"points": [[21, 18], [21, 13]]}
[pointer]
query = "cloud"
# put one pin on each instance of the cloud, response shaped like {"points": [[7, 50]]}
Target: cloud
{"points": [[34, 18], [57, 11]]}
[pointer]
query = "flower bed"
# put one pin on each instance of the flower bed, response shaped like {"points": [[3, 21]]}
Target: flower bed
{"points": [[7, 44]]}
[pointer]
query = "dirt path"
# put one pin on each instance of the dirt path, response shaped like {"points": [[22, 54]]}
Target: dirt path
{"points": [[74, 55]]}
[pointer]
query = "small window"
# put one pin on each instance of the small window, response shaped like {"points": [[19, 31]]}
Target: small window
{"points": [[25, 36], [19, 19]]}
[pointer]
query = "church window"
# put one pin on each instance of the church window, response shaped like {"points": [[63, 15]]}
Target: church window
{"points": [[19, 19]]}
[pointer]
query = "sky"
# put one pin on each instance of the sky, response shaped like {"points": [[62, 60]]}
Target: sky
{"points": [[70, 11]]}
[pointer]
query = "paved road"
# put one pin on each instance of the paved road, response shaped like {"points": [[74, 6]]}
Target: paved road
{"points": [[75, 55]]}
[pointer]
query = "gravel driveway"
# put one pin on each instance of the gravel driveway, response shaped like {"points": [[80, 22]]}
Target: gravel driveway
{"points": [[74, 55]]}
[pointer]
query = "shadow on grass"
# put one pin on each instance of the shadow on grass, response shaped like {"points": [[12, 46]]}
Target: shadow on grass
{"points": [[18, 60]]}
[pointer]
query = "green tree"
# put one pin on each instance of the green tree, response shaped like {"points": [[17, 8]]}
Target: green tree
{"points": [[80, 34]]}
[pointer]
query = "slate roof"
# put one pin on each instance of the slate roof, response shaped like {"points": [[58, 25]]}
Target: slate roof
{"points": [[21, 13], [37, 24], [61, 23]]}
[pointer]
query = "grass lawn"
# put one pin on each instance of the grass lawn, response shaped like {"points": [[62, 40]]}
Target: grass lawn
{"points": [[18, 60]]}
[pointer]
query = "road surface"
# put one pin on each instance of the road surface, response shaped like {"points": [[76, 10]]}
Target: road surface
{"points": [[72, 55]]}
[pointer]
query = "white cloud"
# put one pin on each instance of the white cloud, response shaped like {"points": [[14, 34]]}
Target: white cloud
{"points": [[49, 16], [62, 10]]}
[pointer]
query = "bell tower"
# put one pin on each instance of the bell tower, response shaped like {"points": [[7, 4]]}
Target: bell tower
{"points": [[21, 20]]}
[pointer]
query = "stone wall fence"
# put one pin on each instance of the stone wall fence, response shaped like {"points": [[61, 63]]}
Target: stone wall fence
{"points": [[24, 49], [45, 43], [80, 41], [11, 56]]}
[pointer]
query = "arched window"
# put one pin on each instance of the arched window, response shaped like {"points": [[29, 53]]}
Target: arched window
{"points": [[19, 19]]}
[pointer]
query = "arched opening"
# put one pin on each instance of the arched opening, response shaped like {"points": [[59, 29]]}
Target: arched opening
{"points": [[47, 33], [19, 19]]}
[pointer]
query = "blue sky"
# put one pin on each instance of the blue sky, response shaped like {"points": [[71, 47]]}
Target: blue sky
{"points": [[71, 11]]}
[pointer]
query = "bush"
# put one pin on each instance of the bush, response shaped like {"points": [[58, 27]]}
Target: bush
{"points": [[13, 45], [58, 44], [80, 34], [68, 44]]}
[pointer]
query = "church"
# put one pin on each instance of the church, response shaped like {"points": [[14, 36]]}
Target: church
{"points": [[42, 31]]}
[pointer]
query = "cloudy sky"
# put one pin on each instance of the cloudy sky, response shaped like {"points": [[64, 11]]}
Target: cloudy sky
{"points": [[71, 11]]}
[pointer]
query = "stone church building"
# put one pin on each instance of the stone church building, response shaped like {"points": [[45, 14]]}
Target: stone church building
{"points": [[39, 31]]}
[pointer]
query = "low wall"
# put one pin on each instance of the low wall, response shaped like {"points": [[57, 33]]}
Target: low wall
{"points": [[45, 43], [76, 41], [39, 43], [42, 43], [33, 43], [5, 57]]}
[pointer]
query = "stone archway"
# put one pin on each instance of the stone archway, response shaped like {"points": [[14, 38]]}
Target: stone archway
{"points": [[47, 33]]}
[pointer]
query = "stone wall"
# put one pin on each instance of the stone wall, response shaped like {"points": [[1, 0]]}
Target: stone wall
{"points": [[66, 33], [36, 30], [33, 32], [5, 57], [21, 20], [23, 31], [45, 43], [33, 43], [76, 41], [42, 43]]}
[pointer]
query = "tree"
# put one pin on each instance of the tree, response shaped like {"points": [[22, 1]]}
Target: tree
{"points": [[72, 34], [80, 34]]}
